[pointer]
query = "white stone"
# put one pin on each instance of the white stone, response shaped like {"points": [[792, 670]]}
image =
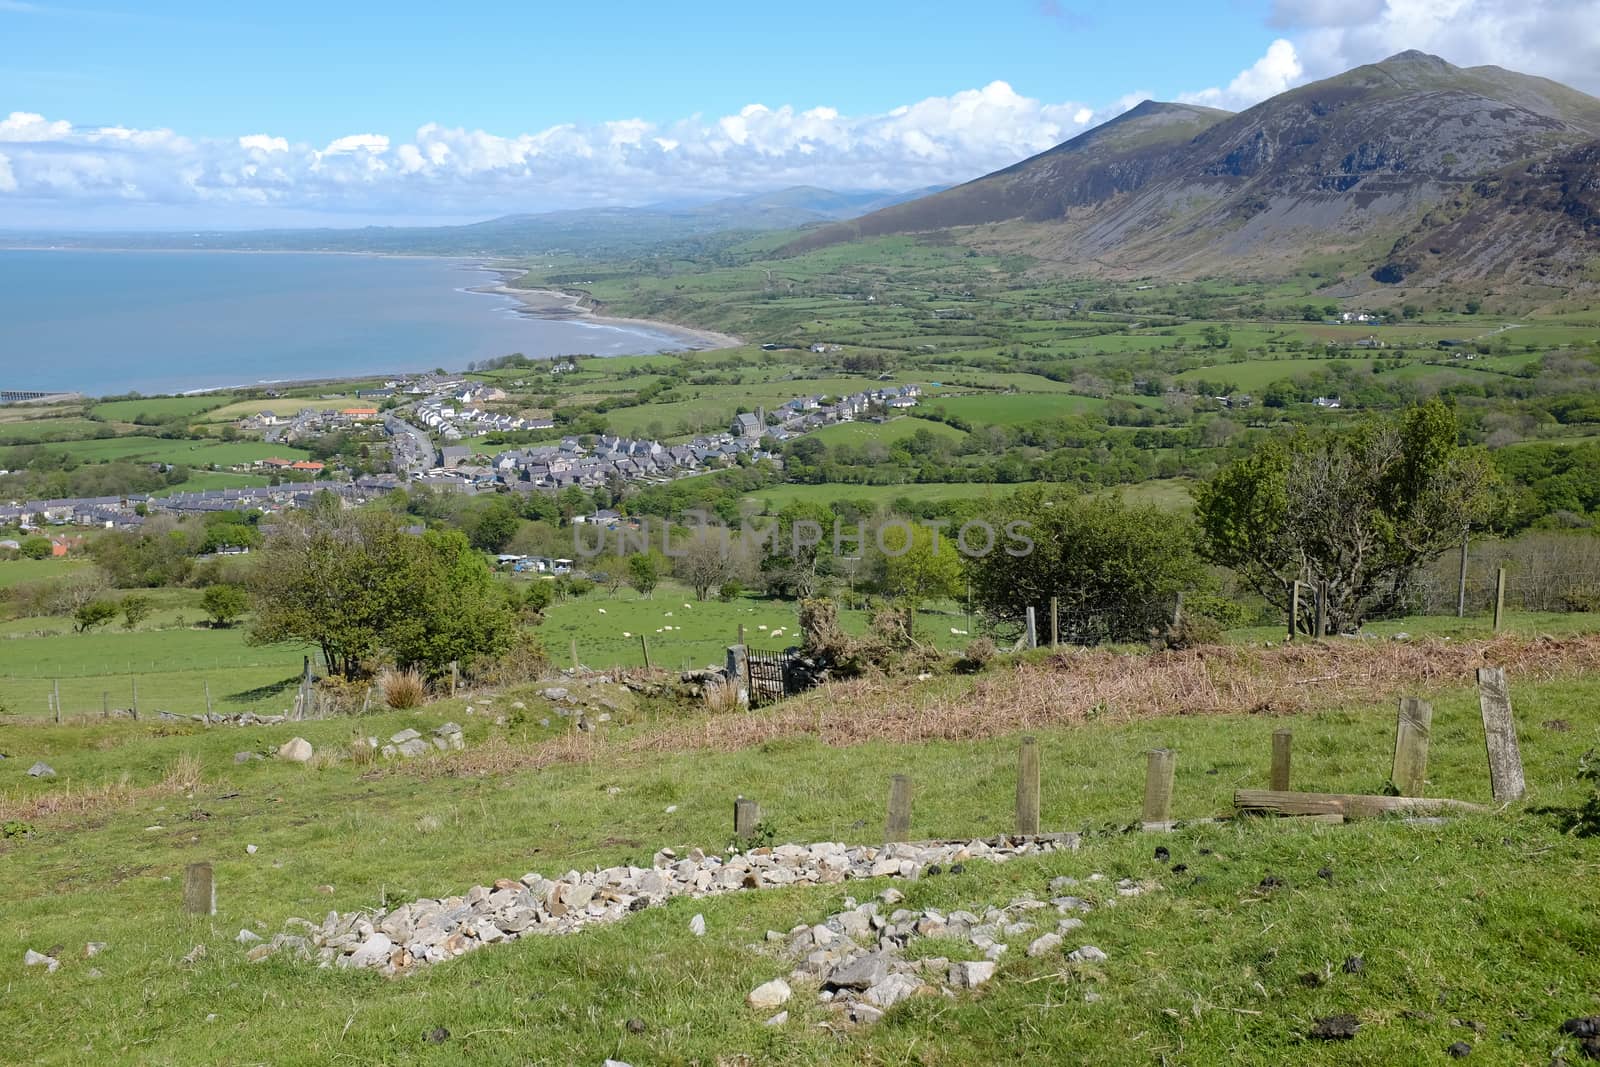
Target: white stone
{"points": [[1088, 953], [246, 937], [773, 994], [373, 951], [295, 750], [1043, 946], [697, 926], [250, 850], [31, 958], [971, 974], [778, 1019]]}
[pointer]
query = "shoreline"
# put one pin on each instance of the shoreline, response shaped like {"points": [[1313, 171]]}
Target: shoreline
{"points": [[555, 304]]}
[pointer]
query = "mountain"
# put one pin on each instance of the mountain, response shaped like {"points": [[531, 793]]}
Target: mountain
{"points": [[1367, 164], [589, 231]]}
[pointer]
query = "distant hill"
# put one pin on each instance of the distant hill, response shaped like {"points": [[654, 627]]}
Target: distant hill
{"points": [[1421, 169], [590, 231]]}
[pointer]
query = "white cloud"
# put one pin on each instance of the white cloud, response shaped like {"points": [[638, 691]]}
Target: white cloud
{"points": [[447, 170], [8, 181], [1277, 70]]}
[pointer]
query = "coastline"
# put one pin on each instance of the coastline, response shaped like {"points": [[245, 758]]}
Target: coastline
{"points": [[555, 304]]}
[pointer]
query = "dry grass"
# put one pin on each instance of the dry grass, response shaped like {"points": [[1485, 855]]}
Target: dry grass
{"points": [[1074, 686], [721, 697], [402, 689]]}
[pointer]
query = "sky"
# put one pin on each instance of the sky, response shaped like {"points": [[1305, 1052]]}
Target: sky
{"points": [[176, 115]]}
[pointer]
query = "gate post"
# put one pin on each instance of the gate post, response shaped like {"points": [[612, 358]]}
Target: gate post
{"points": [[738, 669]]}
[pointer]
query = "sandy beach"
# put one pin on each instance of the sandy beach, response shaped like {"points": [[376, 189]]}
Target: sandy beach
{"points": [[554, 304]]}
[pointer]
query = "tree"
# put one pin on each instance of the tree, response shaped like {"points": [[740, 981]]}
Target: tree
{"points": [[36, 547], [644, 572], [358, 586], [1115, 568], [92, 614], [495, 526], [705, 562], [1362, 510], [224, 603], [919, 571], [136, 607]]}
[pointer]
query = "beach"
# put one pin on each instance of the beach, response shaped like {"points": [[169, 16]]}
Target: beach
{"points": [[559, 305]]}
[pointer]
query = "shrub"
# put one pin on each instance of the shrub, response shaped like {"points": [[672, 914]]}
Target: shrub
{"points": [[722, 696], [523, 661], [730, 589], [977, 657], [402, 689], [1191, 631]]}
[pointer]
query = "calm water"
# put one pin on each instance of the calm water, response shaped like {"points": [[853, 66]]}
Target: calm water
{"points": [[159, 322]]}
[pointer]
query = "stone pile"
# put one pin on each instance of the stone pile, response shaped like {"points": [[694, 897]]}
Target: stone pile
{"points": [[244, 718], [410, 743], [429, 930], [857, 961]]}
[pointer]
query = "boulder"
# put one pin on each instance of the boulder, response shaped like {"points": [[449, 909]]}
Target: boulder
{"points": [[41, 770], [295, 750], [413, 748], [405, 735], [971, 975], [372, 952], [39, 959], [861, 973], [771, 995]]}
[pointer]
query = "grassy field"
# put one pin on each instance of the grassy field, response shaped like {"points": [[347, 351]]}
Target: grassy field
{"points": [[193, 453], [860, 433], [1015, 408], [1476, 929], [777, 496], [17, 571], [160, 408]]}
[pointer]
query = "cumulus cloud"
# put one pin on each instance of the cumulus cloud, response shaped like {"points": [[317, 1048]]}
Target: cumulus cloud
{"points": [[1277, 70], [937, 140]]}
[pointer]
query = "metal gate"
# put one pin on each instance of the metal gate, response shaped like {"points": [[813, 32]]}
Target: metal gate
{"points": [[771, 677]]}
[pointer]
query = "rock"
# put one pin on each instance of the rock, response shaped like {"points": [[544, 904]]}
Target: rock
{"points": [[247, 937], [971, 975], [1460, 1050], [413, 748], [892, 990], [1044, 945], [403, 736], [773, 994], [41, 770], [194, 955], [1355, 965], [295, 750], [1086, 954], [93, 949], [446, 730], [372, 952], [250, 850], [31, 958], [697, 926], [861, 973], [438, 1035], [778, 1019], [245, 757], [1335, 1028]]}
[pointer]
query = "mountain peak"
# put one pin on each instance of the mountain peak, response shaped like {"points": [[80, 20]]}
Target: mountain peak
{"points": [[1411, 57]]}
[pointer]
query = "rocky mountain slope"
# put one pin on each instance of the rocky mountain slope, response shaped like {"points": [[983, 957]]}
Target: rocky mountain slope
{"points": [[1382, 163]]}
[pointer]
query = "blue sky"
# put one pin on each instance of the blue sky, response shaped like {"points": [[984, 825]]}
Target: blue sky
{"points": [[189, 115]]}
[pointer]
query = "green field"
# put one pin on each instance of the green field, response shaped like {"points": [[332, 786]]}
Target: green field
{"points": [[1008, 409], [1480, 921], [192, 453], [896, 429], [780, 495], [160, 408], [17, 571], [37, 431]]}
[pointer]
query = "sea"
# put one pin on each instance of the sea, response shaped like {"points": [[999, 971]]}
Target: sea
{"points": [[109, 323]]}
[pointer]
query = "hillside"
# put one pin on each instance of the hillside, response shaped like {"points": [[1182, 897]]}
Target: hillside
{"points": [[1349, 165]]}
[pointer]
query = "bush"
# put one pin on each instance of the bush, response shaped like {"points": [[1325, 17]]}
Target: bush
{"points": [[977, 657], [94, 613], [524, 661], [1191, 631], [730, 589], [402, 689], [36, 547]]}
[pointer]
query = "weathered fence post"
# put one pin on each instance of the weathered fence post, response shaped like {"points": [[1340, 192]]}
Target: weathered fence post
{"points": [[1411, 746], [644, 645], [1499, 597], [1055, 621], [1282, 748], [1177, 610], [746, 814], [136, 700], [574, 655], [1461, 580], [56, 702], [199, 890], [105, 703], [1159, 767], [1294, 609], [741, 633], [1028, 787], [898, 825], [208, 699], [738, 668], [1322, 608], [455, 677], [1500, 734], [1033, 629]]}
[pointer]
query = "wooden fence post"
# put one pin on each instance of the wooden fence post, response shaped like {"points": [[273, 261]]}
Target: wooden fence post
{"points": [[1282, 747], [1055, 621], [738, 669], [1177, 610], [741, 633], [56, 702], [1500, 733], [1461, 580], [1033, 628], [644, 644], [1499, 597], [136, 700], [746, 814], [1411, 746], [1028, 788], [208, 699], [1294, 609], [105, 703], [199, 890], [574, 655], [1322, 609], [1159, 767], [898, 826], [455, 677]]}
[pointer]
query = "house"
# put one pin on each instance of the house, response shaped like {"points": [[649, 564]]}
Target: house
{"points": [[454, 455], [1329, 402], [276, 463], [307, 465], [359, 414], [749, 424]]}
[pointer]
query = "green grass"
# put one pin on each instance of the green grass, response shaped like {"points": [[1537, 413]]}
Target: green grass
{"points": [[194, 453], [42, 431], [171, 668], [775, 497], [1014, 408], [17, 571], [887, 433], [1488, 919], [160, 408]]}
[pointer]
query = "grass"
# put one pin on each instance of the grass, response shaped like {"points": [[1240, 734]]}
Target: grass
{"points": [[1015, 408], [202, 453], [154, 409], [18, 571], [1487, 919], [775, 497]]}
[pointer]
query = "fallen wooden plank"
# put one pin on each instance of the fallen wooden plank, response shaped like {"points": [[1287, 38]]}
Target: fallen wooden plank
{"points": [[1350, 805]]}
